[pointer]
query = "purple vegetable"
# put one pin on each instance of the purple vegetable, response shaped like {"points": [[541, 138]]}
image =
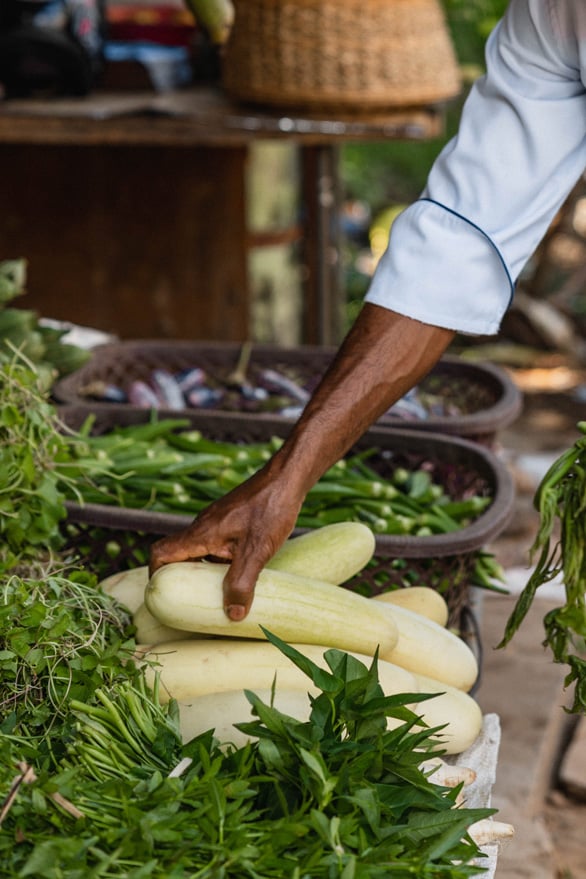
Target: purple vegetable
{"points": [[114, 394], [274, 381], [167, 389], [204, 398], [408, 407], [140, 394], [191, 378]]}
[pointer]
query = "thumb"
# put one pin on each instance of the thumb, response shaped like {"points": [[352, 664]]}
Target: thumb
{"points": [[239, 585]]}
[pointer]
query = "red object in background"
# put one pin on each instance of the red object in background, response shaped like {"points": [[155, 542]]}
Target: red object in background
{"points": [[165, 25]]}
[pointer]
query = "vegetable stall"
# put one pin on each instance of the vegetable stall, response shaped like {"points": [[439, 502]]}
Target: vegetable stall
{"points": [[336, 734], [106, 771]]}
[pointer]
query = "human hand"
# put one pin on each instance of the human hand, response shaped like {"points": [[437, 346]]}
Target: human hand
{"points": [[245, 527]]}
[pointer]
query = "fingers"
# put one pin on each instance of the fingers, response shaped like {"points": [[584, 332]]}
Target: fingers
{"points": [[183, 547], [244, 528], [239, 586], [241, 576]]}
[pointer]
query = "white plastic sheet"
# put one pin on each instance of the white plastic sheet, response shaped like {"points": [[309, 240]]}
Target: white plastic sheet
{"points": [[482, 758]]}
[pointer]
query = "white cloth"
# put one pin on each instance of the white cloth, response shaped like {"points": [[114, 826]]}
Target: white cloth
{"points": [[455, 254]]}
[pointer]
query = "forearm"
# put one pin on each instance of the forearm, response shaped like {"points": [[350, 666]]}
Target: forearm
{"points": [[384, 355]]}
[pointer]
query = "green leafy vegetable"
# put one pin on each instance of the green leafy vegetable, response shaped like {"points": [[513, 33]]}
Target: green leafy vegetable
{"points": [[336, 796], [60, 639], [561, 543], [22, 331], [165, 468]]}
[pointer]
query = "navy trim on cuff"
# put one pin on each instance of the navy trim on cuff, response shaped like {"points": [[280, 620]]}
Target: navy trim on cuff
{"points": [[483, 233]]}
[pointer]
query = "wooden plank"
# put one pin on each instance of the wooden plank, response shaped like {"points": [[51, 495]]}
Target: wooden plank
{"points": [[140, 242], [197, 116]]}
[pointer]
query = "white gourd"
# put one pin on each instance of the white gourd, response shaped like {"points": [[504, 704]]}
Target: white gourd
{"points": [[333, 553], [127, 587], [189, 596], [190, 669], [418, 599], [458, 710], [220, 711], [429, 649]]}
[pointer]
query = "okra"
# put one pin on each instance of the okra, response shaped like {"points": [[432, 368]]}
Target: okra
{"points": [[163, 467], [465, 508]]}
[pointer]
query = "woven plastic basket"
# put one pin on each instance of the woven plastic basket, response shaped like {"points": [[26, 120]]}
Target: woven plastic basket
{"points": [[112, 538], [358, 55], [477, 399]]}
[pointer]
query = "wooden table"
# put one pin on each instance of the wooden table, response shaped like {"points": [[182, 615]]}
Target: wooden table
{"points": [[131, 207]]}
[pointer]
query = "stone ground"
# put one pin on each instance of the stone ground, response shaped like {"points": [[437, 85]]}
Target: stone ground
{"points": [[521, 683]]}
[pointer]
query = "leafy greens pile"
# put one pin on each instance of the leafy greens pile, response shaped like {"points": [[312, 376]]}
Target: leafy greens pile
{"points": [[336, 796], [41, 464]]}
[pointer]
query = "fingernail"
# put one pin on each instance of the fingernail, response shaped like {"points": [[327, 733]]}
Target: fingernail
{"points": [[236, 612]]}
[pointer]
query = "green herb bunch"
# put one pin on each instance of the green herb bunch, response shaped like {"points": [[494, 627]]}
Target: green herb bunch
{"points": [[42, 464], [60, 639], [346, 796], [31, 502], [560, 544]]}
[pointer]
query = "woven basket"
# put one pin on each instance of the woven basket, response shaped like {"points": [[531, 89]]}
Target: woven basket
{"points": [[345, 55], [484, 397], [110, 539]]}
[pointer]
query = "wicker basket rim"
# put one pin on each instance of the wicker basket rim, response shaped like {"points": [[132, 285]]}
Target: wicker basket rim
{"points": [[503, 411], [470, 538]]}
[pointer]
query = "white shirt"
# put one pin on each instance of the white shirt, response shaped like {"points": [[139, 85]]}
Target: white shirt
{"points": [[455, 254]]}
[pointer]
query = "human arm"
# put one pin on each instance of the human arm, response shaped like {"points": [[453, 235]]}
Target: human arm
{"points": [[456, 253], [383, 356], [451, 263]]}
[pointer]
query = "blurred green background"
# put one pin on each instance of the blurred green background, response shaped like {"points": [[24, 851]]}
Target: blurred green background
{"points": [[378, 179]]}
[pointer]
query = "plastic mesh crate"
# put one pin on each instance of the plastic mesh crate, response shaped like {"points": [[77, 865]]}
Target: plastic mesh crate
{"points": [[475, 400]]}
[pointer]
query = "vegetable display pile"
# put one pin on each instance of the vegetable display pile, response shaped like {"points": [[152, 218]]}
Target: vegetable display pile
{"points": [[178, 615], [101, 773], [165, 468], [280, 390], [291, 759], [560, 548], [336, 795]]}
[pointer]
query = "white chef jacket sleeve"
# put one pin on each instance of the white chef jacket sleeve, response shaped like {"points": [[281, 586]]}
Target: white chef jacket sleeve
{"points": [[455, 254]]}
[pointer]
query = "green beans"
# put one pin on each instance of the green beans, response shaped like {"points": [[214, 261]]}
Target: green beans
{"points": [[129, 732], [168, 469]]}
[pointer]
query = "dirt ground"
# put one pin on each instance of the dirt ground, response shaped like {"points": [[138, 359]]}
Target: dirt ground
{"points": [[554, 400], [566, 822]]}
